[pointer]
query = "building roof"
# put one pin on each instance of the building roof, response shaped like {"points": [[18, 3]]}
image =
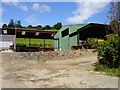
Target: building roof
{"points": [[73, 27], [22, 33]]}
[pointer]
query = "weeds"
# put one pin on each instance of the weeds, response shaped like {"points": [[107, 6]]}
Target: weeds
{"points": [[107, 70]]}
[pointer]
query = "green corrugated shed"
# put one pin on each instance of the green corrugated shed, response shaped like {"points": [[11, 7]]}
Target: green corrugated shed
{"points": [[70, 35], [65, 43]]}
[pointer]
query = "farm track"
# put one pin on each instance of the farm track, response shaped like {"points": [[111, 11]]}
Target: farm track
{"points": [[69, 73]]}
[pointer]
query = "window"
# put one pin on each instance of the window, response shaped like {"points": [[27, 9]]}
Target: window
{"points": [[65, 32], [23, 32], [5, 31], [37, 33]]}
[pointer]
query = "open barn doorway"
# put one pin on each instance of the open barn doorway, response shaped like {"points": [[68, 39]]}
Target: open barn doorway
{"points": [[89, 31], [34, 40], [92, 31], [33, 44]]}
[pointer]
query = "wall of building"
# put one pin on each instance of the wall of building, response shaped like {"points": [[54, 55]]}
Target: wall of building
{"points": [[6, 41], [73, 41], [66, 42], [61, 43]]}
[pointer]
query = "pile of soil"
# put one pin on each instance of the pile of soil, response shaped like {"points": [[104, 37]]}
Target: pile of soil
{"points": [[50, 55]]}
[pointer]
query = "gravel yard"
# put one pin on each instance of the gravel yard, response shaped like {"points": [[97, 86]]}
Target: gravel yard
{"points": [[53, 70]]}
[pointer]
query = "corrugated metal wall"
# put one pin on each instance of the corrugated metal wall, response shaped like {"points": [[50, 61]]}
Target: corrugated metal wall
{"points": [[6, 41], [73, 41], [65, 43]]}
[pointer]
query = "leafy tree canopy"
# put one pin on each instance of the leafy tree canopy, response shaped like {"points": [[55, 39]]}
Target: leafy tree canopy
{"points": [[11, 24], [18, 24], [57, 26], [4, 26], [29, 26], [46, 27]]}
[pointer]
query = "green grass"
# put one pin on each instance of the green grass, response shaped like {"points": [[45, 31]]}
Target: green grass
{"points": [[108, 71], [34, 42]]}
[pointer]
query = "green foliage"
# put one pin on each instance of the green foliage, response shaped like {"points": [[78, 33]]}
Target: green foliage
{"points": [[39, 27], [47, 27], [18, 24], [29, 26], [11, 24], [4, 26], [107, 70], [109, 52], [57, 26], [93, 42]]}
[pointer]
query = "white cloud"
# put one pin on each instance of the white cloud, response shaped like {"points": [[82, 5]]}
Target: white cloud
{"points": [[16, 3], [36, 6], [33, 19], [86, 10], [11, 2], [23, 7], [41, 8]]}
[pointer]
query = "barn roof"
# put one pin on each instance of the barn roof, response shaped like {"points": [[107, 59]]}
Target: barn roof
{"points": [[23, 33], [73, 27]]}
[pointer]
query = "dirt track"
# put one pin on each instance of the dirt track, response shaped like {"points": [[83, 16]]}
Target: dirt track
{"points": [[70, 73]]}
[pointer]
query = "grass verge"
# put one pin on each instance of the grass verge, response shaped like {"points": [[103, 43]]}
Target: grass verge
{"points": [[107, 70]]}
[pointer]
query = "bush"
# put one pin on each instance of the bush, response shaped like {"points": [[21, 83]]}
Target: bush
{"points": [[95, 43], [92, 42], [109, 52]]}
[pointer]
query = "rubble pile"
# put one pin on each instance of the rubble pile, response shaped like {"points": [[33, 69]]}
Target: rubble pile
{"points": [[51, 55]]}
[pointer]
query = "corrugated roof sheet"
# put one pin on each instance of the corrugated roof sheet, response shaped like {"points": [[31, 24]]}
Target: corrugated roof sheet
{"points": [[73, 27]]}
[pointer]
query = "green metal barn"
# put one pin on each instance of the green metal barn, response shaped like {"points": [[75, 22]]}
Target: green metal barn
{"points": [[72, 35]]}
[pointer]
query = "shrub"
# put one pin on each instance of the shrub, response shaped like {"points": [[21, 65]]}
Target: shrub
{"points": [[95, 43], [92, 42], [109, 52]]}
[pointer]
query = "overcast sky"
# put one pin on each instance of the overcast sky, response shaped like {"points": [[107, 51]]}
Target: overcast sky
{"points": [[42, 13]]}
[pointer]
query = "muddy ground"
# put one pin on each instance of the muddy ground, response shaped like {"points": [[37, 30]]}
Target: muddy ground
{"points": [[21, 70]]}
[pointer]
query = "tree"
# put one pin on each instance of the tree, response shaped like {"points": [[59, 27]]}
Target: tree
{"points": [[29, 26], [39, 26], [46, 27], [11, 24], [113, 27], [4, 26], [114, 18], [18, 24], [57, 26]]}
